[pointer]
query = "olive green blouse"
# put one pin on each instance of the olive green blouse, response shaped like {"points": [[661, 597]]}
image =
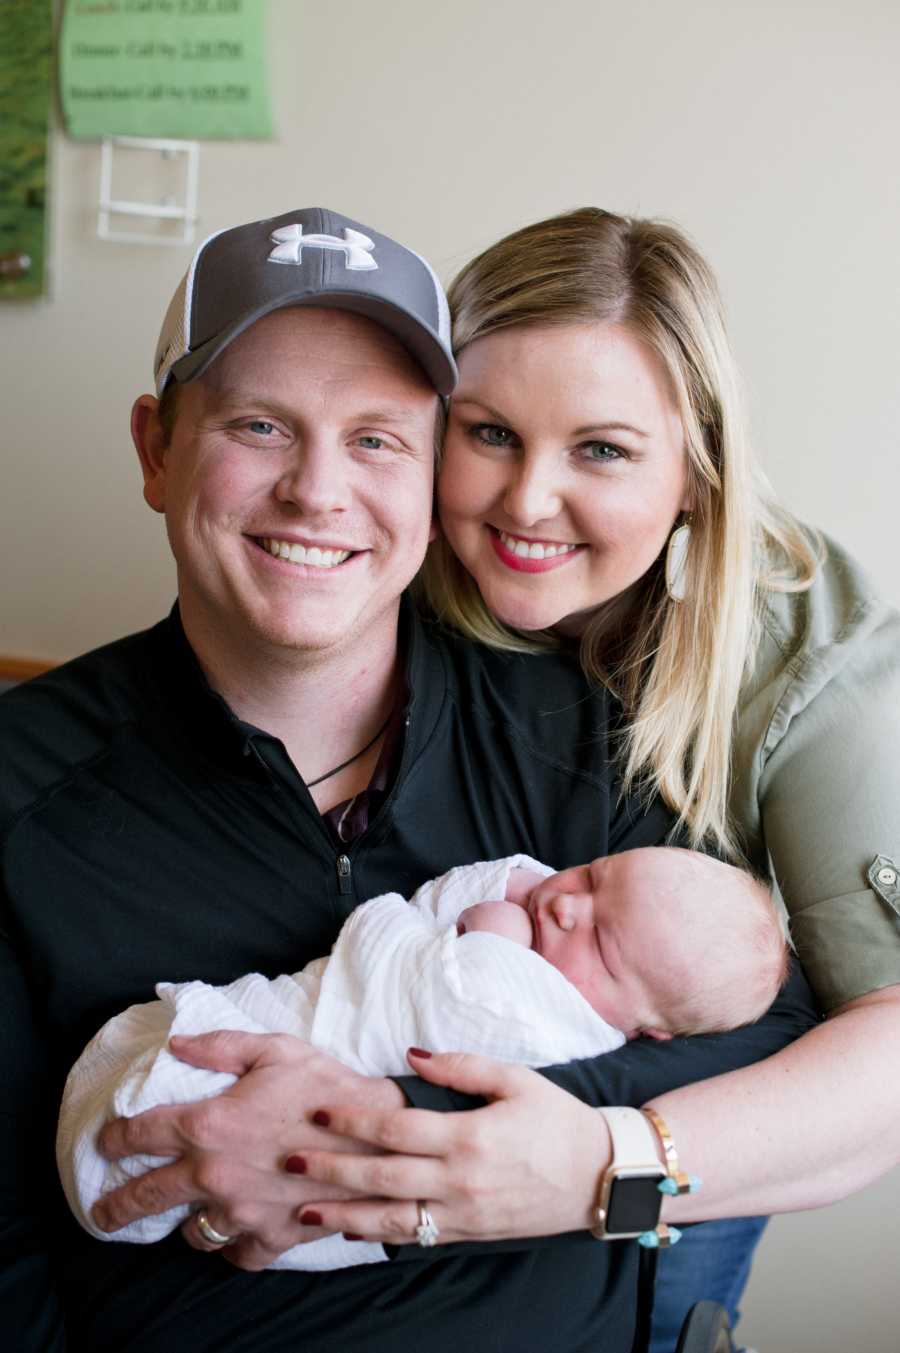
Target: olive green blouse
{"points": [[817, 776]]}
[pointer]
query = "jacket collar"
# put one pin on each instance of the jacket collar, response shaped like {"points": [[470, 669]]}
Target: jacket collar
{"points": [[188, 707]]}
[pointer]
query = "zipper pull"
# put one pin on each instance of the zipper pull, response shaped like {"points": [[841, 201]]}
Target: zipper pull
{"points": [[345, 886]]}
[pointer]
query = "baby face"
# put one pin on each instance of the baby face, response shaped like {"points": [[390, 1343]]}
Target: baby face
{"points": [[599, 927]]}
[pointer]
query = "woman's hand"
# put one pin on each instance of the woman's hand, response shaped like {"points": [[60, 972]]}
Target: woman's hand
{"points": [[231, 1150], [525, 1165]]}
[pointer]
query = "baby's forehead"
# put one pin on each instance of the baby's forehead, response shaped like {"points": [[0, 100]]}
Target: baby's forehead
{"points": [[669, 860], [659, 870], [632, 866]]}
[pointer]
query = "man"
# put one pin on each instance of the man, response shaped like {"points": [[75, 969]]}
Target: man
{"points": [[215, 795]]}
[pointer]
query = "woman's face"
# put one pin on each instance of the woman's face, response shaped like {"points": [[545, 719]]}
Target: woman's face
{"points": [[564, 469]]}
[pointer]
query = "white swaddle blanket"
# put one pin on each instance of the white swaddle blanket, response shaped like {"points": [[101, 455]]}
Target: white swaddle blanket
{"points": [[399, 976]]}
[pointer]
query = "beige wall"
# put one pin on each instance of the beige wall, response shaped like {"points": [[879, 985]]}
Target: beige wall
{"points": [[769, 130]]}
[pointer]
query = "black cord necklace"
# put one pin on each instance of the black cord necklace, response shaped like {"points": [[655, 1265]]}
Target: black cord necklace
{"points": [[350, 759]]}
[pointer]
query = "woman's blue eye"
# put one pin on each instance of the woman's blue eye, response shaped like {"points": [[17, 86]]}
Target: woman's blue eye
{"points": [[602, 451], [493, 434]]}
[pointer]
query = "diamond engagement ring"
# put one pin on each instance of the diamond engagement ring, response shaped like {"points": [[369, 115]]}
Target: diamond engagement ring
{"points": [[426, 1231], [211, 1235]]}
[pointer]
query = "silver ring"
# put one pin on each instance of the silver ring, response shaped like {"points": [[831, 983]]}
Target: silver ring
{"points": [[426, 1231], [209, 1233]]}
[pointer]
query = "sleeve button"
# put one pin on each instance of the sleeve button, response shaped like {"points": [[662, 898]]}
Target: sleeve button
{"points": [[887, 876]]}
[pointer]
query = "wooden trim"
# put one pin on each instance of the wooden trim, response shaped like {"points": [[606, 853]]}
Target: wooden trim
{"points": [[22, 669]]}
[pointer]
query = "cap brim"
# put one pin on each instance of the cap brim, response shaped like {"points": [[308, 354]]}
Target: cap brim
{"points": [[420, 342]]}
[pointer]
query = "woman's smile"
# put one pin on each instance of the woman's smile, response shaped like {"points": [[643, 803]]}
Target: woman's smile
{"points": [[527, 555]]}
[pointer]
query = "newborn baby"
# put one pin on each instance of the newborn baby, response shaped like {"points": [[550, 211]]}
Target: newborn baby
{"points": [[504, 958]]}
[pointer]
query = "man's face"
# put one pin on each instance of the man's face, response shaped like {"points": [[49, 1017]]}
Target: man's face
{"points": [[297, 483]]}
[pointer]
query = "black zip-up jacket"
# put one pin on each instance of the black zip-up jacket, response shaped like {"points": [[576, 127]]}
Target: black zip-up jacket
{"points": [[147, 835]]}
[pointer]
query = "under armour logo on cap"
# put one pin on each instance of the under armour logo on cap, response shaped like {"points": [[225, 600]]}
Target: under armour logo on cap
{"points": [[291, 241]]}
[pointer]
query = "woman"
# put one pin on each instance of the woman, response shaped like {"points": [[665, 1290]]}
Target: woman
{"points": [[597, 488]]}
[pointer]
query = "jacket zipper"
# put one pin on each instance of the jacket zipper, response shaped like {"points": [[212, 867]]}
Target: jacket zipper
{"points": [[344, 875]]}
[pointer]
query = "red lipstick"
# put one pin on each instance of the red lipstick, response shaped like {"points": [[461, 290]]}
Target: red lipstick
{"points": [[523, 565]]}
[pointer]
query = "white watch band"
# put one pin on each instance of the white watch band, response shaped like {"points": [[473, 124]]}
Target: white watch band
{"points": [[634, 1140]]}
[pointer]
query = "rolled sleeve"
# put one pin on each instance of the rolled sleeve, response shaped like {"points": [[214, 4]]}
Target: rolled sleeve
{"points": [[848, 947]]}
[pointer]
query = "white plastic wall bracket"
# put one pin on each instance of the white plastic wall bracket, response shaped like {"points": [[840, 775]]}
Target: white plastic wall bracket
{"points": [[182, 208]]}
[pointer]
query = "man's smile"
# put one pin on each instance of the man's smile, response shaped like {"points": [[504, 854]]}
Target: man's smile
{"points": [[293, 552]]}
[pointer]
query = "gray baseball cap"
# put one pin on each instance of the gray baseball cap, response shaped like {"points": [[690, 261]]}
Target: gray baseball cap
{"points": [[311, 256]]}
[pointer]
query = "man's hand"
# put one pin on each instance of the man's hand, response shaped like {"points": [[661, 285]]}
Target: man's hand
{"points": [[231, 1150]]}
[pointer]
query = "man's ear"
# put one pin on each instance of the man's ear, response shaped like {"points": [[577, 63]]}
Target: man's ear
{"points": [[150, 444]]}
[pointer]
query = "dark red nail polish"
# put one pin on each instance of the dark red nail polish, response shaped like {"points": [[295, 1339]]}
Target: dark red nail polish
{"points": [[321, 1118], [417, 1052], [348, 1235], [311, 1218], [295, 1165]]}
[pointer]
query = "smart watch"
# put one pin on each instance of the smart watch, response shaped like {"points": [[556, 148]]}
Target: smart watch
{"points": [[628, 1199]]}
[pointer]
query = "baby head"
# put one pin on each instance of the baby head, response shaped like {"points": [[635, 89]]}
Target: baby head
{"points": [[660, 941]]}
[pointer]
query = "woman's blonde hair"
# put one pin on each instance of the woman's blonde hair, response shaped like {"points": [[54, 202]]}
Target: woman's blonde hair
{"points": [[677, 667]]}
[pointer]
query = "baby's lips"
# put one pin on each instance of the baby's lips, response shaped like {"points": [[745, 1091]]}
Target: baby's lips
{"points": [[461, 926]]}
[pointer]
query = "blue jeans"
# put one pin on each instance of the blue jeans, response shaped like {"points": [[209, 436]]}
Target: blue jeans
{"points": [[711, 1262]]}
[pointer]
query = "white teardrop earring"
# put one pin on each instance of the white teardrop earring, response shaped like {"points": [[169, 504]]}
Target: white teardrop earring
{"points": [[676, 560]]}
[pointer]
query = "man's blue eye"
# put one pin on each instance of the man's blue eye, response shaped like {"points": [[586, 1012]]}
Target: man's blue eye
{"points": [[371, 443], [261, 427]]}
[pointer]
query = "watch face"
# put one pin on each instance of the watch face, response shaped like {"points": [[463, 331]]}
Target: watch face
{"points": [[633, 1205]]}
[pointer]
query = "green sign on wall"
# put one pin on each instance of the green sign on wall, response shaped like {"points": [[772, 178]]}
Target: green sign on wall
{"points": [[170, 68]]}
